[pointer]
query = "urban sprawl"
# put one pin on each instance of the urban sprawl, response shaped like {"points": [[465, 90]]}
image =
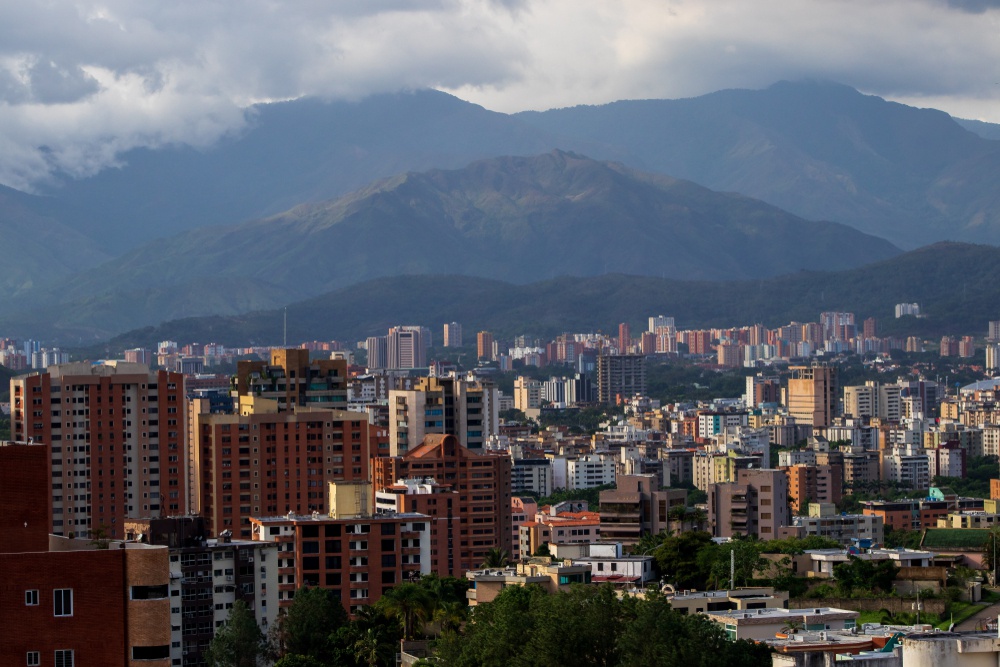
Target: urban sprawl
{"points": [[414, 499]]}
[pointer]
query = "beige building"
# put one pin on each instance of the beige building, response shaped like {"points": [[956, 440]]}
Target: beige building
{"points": [[552, 576], [756, 504], [764, 624], [467, 409], [704, 602], [636, 507], [812, 394]]}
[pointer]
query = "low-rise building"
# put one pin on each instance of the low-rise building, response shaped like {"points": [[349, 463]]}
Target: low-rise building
{"points": [[552, 576], [609, 564], [763, 624], [704, 602], [825, 521]]}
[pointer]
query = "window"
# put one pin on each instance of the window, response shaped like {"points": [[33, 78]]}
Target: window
{"points": [[64, 658], [31, 598], [34, 659], [151, 652], [149, 592], [63, 606]]}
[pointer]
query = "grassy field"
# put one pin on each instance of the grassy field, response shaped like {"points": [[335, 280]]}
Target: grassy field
{"points": [[967, 538]]}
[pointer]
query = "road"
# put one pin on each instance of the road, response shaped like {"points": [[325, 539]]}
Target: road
{"points": [[978, 620]]}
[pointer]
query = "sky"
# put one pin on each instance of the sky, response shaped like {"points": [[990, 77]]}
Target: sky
{"points": [[81, 82]]}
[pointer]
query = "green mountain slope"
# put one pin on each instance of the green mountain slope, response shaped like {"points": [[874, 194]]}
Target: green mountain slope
{"points": [[957, 285], [514, 219]]}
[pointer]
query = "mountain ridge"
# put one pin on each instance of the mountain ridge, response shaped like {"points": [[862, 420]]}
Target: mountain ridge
{"points": [[510, 218]]}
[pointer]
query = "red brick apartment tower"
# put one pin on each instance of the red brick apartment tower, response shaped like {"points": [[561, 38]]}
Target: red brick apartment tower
{"points": [[70, 602], [357, 558], [263, 462], [478, 514], [114, 432]]}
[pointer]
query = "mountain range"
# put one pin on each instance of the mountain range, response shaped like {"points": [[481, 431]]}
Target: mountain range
{"points": [[954, 283], [517, 219], [312, 195]]}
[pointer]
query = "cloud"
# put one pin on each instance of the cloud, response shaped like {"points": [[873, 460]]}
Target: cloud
{"points": [[82, 82]]}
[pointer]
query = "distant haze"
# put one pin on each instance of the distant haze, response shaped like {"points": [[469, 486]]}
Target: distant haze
{"points": [[82, 82]]}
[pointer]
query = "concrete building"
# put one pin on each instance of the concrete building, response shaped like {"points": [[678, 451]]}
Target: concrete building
{"points": [[453, 334], [551, 576], [756, 504], [484, 346], [115, 435], [406, 347], [472, 520], [813, 397], [467, 409], [620, 376], [527, 395], [609, 564], [293, 380], [558, 527], [590, 471], [814, 484], [636, 507], [736, 599], [763, 624], [532, 476], [825, 521], [207, 576]]}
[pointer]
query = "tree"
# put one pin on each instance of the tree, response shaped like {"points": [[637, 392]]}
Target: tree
{"points": [[746, 560], [410, 604], [239, 642], [686, 560], [542, 551], [370, 650], [496, 558], [298, 661], [306, 626]]}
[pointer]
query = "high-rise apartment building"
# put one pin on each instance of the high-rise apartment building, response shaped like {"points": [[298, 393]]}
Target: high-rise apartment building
{"points": [[378, 352], [265, 461], [993, 332], [469, 500], [406, 347], [453, 334], [620, 376], [115, 434], [812, 394], [527, 394], [293, 380], [624, 338], [814, 484], [761, 389], [484, 346], [658, 321], [467, 409]]}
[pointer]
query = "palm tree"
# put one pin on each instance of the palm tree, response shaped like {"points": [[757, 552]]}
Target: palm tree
{"points": [[450, 615], [496, 558], [410, 604], [369, 649]]}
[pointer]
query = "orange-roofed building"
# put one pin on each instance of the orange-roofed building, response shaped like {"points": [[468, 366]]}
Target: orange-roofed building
{"points": [[554, 527]]}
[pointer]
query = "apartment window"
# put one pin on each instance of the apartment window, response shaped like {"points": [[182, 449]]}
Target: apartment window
{"points": [[64, 658], [34, 659], [63, 606], [31, 598]]}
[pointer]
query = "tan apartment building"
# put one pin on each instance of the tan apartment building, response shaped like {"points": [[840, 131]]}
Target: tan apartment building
{"points": [[813, 398], [466, 409], [756, 504]]}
